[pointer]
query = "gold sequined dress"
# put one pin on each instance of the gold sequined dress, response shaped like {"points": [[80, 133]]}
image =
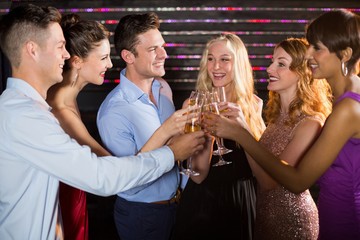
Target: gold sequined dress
{"points": [[280, 213]]}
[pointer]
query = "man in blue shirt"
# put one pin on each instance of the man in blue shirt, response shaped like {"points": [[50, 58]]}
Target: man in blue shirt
{"points": [[35, 152], [129, 116]]}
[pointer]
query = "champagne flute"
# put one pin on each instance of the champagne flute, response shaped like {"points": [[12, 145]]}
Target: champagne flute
{"points": [[212, 106], [192, 125], [221, 97], [191, 102]]}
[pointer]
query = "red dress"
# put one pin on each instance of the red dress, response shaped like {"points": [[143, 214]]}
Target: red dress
{"points": [[74, 212]]}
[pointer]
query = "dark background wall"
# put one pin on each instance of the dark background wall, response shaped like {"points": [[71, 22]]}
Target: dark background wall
{"points": [[186, 26]]}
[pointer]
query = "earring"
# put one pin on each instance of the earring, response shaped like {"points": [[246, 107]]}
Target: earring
{"points": [[344, 69], [75, 79]]}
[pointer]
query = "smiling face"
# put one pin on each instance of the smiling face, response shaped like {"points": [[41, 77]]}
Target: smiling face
{"points": [[151, 55], [281, 78], [94, 66], [52, 55], [220, 64], [323, 63]]}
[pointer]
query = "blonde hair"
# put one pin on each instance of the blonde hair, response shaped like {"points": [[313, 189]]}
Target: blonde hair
{"points": [[313, 96], [242, 84]]}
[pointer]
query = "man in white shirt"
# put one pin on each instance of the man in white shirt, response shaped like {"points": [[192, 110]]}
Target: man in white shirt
{"points": [[35, 152]]}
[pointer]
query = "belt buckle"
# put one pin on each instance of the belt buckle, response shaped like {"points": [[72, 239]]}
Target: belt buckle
{"points": [[177, 195], [174, 199]]}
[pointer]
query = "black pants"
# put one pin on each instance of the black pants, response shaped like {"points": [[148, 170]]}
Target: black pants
{"points": [[136, 220]]}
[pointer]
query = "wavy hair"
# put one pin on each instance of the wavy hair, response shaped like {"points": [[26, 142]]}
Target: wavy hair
{"points": [[313, 96], [242, 84]]}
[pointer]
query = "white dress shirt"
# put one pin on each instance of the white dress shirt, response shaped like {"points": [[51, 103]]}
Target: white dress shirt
{"points": [[35, 154]]}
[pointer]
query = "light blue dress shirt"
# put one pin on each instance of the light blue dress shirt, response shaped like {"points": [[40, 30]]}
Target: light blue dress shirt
{"points": [[126, 120], [35, 153]]}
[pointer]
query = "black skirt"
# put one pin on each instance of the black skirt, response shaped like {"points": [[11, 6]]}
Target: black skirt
{"points": [[223, 205]]}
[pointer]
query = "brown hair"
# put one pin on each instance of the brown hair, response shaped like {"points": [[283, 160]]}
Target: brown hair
{"points": [[132, 25], [313, 96], [24, 23], [81, 35]]}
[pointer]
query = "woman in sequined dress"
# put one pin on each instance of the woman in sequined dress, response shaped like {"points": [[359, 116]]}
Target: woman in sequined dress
{"points": [[223, 205], [296, 110], [333, 159]]}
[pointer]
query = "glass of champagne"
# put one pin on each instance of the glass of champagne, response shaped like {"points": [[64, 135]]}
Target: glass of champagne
{"points": [[212, 106], [221, 97], [192, 125]]}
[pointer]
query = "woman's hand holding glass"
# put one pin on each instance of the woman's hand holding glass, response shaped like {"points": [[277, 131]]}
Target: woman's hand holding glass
{"points": [[234, 112], [220, 126], [220, 98], [211, 106], [227, 124]]}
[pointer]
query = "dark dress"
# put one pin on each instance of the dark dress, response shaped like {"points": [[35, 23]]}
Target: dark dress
{"points": [[223, 205]]}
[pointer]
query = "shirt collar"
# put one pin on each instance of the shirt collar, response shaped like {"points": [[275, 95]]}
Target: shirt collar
{"points": [[133, 92], [26, 89]]}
